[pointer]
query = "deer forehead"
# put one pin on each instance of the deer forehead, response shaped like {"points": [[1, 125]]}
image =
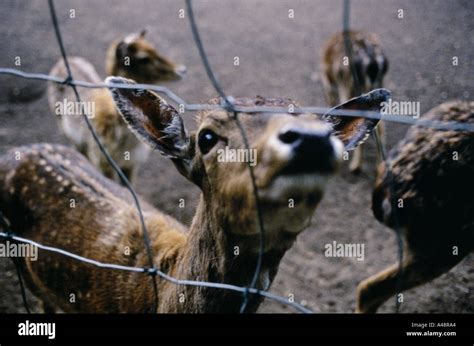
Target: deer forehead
{"points": [[258, 125], [139, 45], [145, 48]]}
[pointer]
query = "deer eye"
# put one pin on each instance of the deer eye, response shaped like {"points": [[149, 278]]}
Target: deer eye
{"points": [[207, 140]]}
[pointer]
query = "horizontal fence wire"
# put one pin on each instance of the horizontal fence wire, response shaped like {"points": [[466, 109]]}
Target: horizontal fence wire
{"points": [[226, 105], [99, 264], [193, 107]]}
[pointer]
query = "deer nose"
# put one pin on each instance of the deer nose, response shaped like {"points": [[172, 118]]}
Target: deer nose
{"points": [[312, 151], [181, 70], [307, 141]]}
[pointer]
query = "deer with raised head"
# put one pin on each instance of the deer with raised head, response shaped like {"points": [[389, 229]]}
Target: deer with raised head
{"points": [[296, 156], [433, 177], [132, 57], [344, 78]]}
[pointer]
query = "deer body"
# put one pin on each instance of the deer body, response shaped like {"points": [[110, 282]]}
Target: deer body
{"points": [[132, 57], [433, 174], [71, 125], [344, 79], [297, 155], [106, 233]]}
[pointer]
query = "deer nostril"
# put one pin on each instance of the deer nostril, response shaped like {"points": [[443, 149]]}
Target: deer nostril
{"points": [[320, 141], [311, 151], [289, 136]]}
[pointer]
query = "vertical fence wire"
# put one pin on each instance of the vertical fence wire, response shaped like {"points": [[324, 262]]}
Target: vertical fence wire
{"points": [[232, 110], [346, 15], [104, 151], [152, 270], [228, 104]]}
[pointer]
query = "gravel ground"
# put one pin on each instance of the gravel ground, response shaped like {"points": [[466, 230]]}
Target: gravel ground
{"points": [[278, 57]]}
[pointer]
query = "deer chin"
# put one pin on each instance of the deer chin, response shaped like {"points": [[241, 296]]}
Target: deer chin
{"points": [[301, 188], [289, 201], [171, 76]]}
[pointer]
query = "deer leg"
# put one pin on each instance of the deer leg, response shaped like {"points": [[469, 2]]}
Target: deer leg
{"points": [[375, 290], [380, 130], [356, 162], [354, 165], [83, 150], [47, 307], [129, 173], [109, 172], [331, 91]]}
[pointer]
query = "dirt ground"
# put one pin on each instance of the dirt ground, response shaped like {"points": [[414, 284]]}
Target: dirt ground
{"points": [[278, 57]]}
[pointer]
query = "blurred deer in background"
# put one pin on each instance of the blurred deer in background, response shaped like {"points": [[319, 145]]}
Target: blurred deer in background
{"points": [[296, 156], [433, 176], [344, 78], [133, 57]]}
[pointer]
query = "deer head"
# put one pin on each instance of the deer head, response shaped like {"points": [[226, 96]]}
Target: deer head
{"points": [[294, 157], [135, 57]]}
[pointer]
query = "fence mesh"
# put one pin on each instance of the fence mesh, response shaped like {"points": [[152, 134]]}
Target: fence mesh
{"points": [[233, 112]]}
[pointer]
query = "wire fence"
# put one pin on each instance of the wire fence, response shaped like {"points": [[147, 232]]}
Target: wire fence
{"points": [[233, 112], [380, 148], [193, 107]]}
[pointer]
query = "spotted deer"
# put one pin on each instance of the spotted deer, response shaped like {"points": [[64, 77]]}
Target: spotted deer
{"points": [[296, 157], [344, 79], [432, 176], [132, 57]]}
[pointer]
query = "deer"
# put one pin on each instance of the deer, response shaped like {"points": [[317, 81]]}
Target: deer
{"points": [[431, 172], [344, 77], [297, 155], [131, 57]]}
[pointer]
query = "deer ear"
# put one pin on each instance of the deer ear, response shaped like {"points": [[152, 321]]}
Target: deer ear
{"points": [[151, 118], [353, 131], [143, 33]]}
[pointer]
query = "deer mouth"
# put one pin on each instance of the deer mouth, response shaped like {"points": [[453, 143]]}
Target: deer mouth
{"points": [[302, 171], [290, 200], [304, 178], [314, 164], [306, 188], [180, 71]]}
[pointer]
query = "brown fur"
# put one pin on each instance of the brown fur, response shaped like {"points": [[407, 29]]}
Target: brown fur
{"points": [[146, 65], [368, 63], [35, 194], [156, 67], [438, 209]]}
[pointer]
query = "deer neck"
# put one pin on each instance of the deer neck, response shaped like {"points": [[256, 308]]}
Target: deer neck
{"points": [[111, 68], [212, 254]]}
